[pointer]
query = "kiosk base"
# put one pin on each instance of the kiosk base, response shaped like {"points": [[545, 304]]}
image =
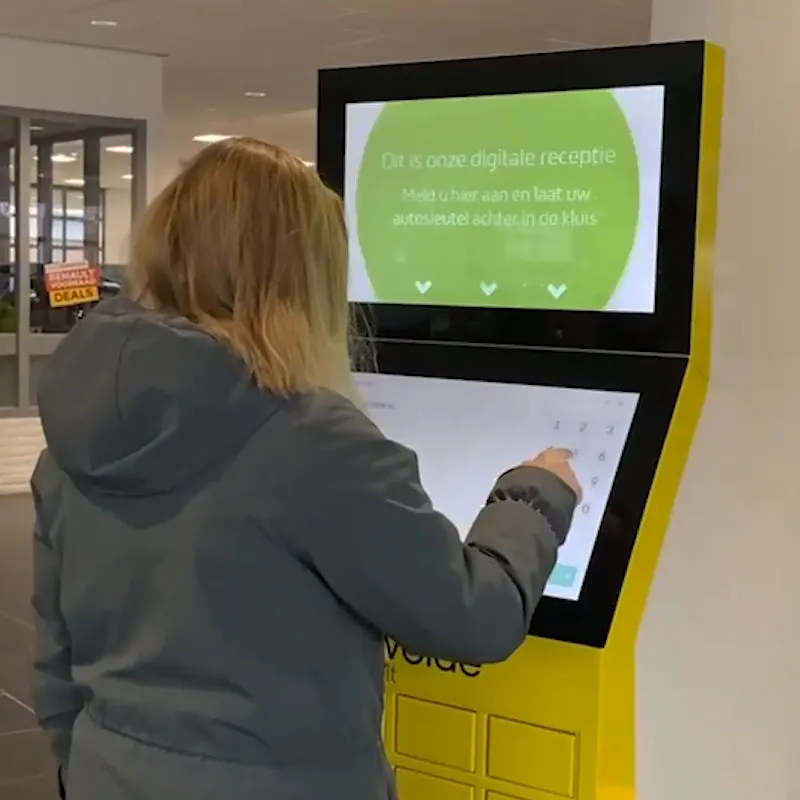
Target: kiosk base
{"points": [[534, 731]]}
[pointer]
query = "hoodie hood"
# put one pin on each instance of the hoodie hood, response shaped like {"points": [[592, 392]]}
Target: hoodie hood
{"points": [[137, 403]]}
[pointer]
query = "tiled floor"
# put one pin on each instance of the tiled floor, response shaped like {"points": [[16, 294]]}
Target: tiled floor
{"points": [[26, 767]]}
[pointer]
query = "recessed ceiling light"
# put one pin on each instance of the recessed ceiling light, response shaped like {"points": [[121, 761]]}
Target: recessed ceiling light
{"points": [[255, 94], [74, 181], [104, 23], [210, 138], [63, 158], [37, 127], [119, 148], [127, 177]]}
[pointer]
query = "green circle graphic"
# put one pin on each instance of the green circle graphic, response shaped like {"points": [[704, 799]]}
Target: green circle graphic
{"points": [[512, 201]]}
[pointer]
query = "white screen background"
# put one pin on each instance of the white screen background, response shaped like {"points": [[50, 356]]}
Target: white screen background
{"points": [[467, 433], [644, 109]]}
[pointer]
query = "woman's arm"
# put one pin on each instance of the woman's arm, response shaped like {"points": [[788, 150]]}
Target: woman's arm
{"points": [[371, 531], [57, 700]]}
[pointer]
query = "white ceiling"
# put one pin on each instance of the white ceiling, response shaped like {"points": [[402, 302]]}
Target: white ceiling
{"points": [[220, 49]]}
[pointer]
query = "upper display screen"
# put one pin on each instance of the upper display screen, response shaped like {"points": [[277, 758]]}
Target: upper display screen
{"points": [[466, 433], [547, 200]]}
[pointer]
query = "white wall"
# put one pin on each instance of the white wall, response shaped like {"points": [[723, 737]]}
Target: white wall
{"points": [[79, 80], [47, 76], [722, 625]]}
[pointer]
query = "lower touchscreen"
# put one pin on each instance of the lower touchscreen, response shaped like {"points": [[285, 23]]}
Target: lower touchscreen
{"points": [[466, 433]]}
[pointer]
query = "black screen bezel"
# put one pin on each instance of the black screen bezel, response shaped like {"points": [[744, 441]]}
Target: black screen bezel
{"points": [[678, 67], [657, 380]]}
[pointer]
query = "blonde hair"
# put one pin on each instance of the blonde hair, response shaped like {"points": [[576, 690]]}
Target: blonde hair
{"points": [[249, 244]]}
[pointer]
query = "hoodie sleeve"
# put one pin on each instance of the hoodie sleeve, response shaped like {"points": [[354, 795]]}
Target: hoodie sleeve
{"points": [[377, 541], [57, 700]]}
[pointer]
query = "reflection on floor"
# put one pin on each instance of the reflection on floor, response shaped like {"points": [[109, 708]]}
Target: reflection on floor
{"points": [[26, 767]]}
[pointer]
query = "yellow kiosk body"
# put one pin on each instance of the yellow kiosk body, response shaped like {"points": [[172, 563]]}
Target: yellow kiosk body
{"points": [[558, 719]]}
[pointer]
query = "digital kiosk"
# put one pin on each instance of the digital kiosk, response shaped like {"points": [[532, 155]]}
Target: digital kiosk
{"points": [[531, 240]]}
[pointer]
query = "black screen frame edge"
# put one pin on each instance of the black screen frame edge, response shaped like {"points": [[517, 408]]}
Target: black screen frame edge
{"points": [[657, 379], [679, 67]]}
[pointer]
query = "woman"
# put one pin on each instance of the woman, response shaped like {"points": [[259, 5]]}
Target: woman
{"points": [[224, 539]]}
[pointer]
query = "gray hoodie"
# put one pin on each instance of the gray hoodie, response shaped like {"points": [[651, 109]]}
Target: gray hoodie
{"points": [[216, 569]]}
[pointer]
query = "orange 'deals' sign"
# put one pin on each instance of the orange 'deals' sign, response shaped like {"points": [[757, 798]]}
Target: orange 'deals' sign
{"points": [[71, 284]]}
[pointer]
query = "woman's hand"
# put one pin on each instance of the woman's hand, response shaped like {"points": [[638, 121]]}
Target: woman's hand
{"points": [[557, 461]]}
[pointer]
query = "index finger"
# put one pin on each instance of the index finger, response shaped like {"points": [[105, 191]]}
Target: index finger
{"points": [[560, 452]]}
